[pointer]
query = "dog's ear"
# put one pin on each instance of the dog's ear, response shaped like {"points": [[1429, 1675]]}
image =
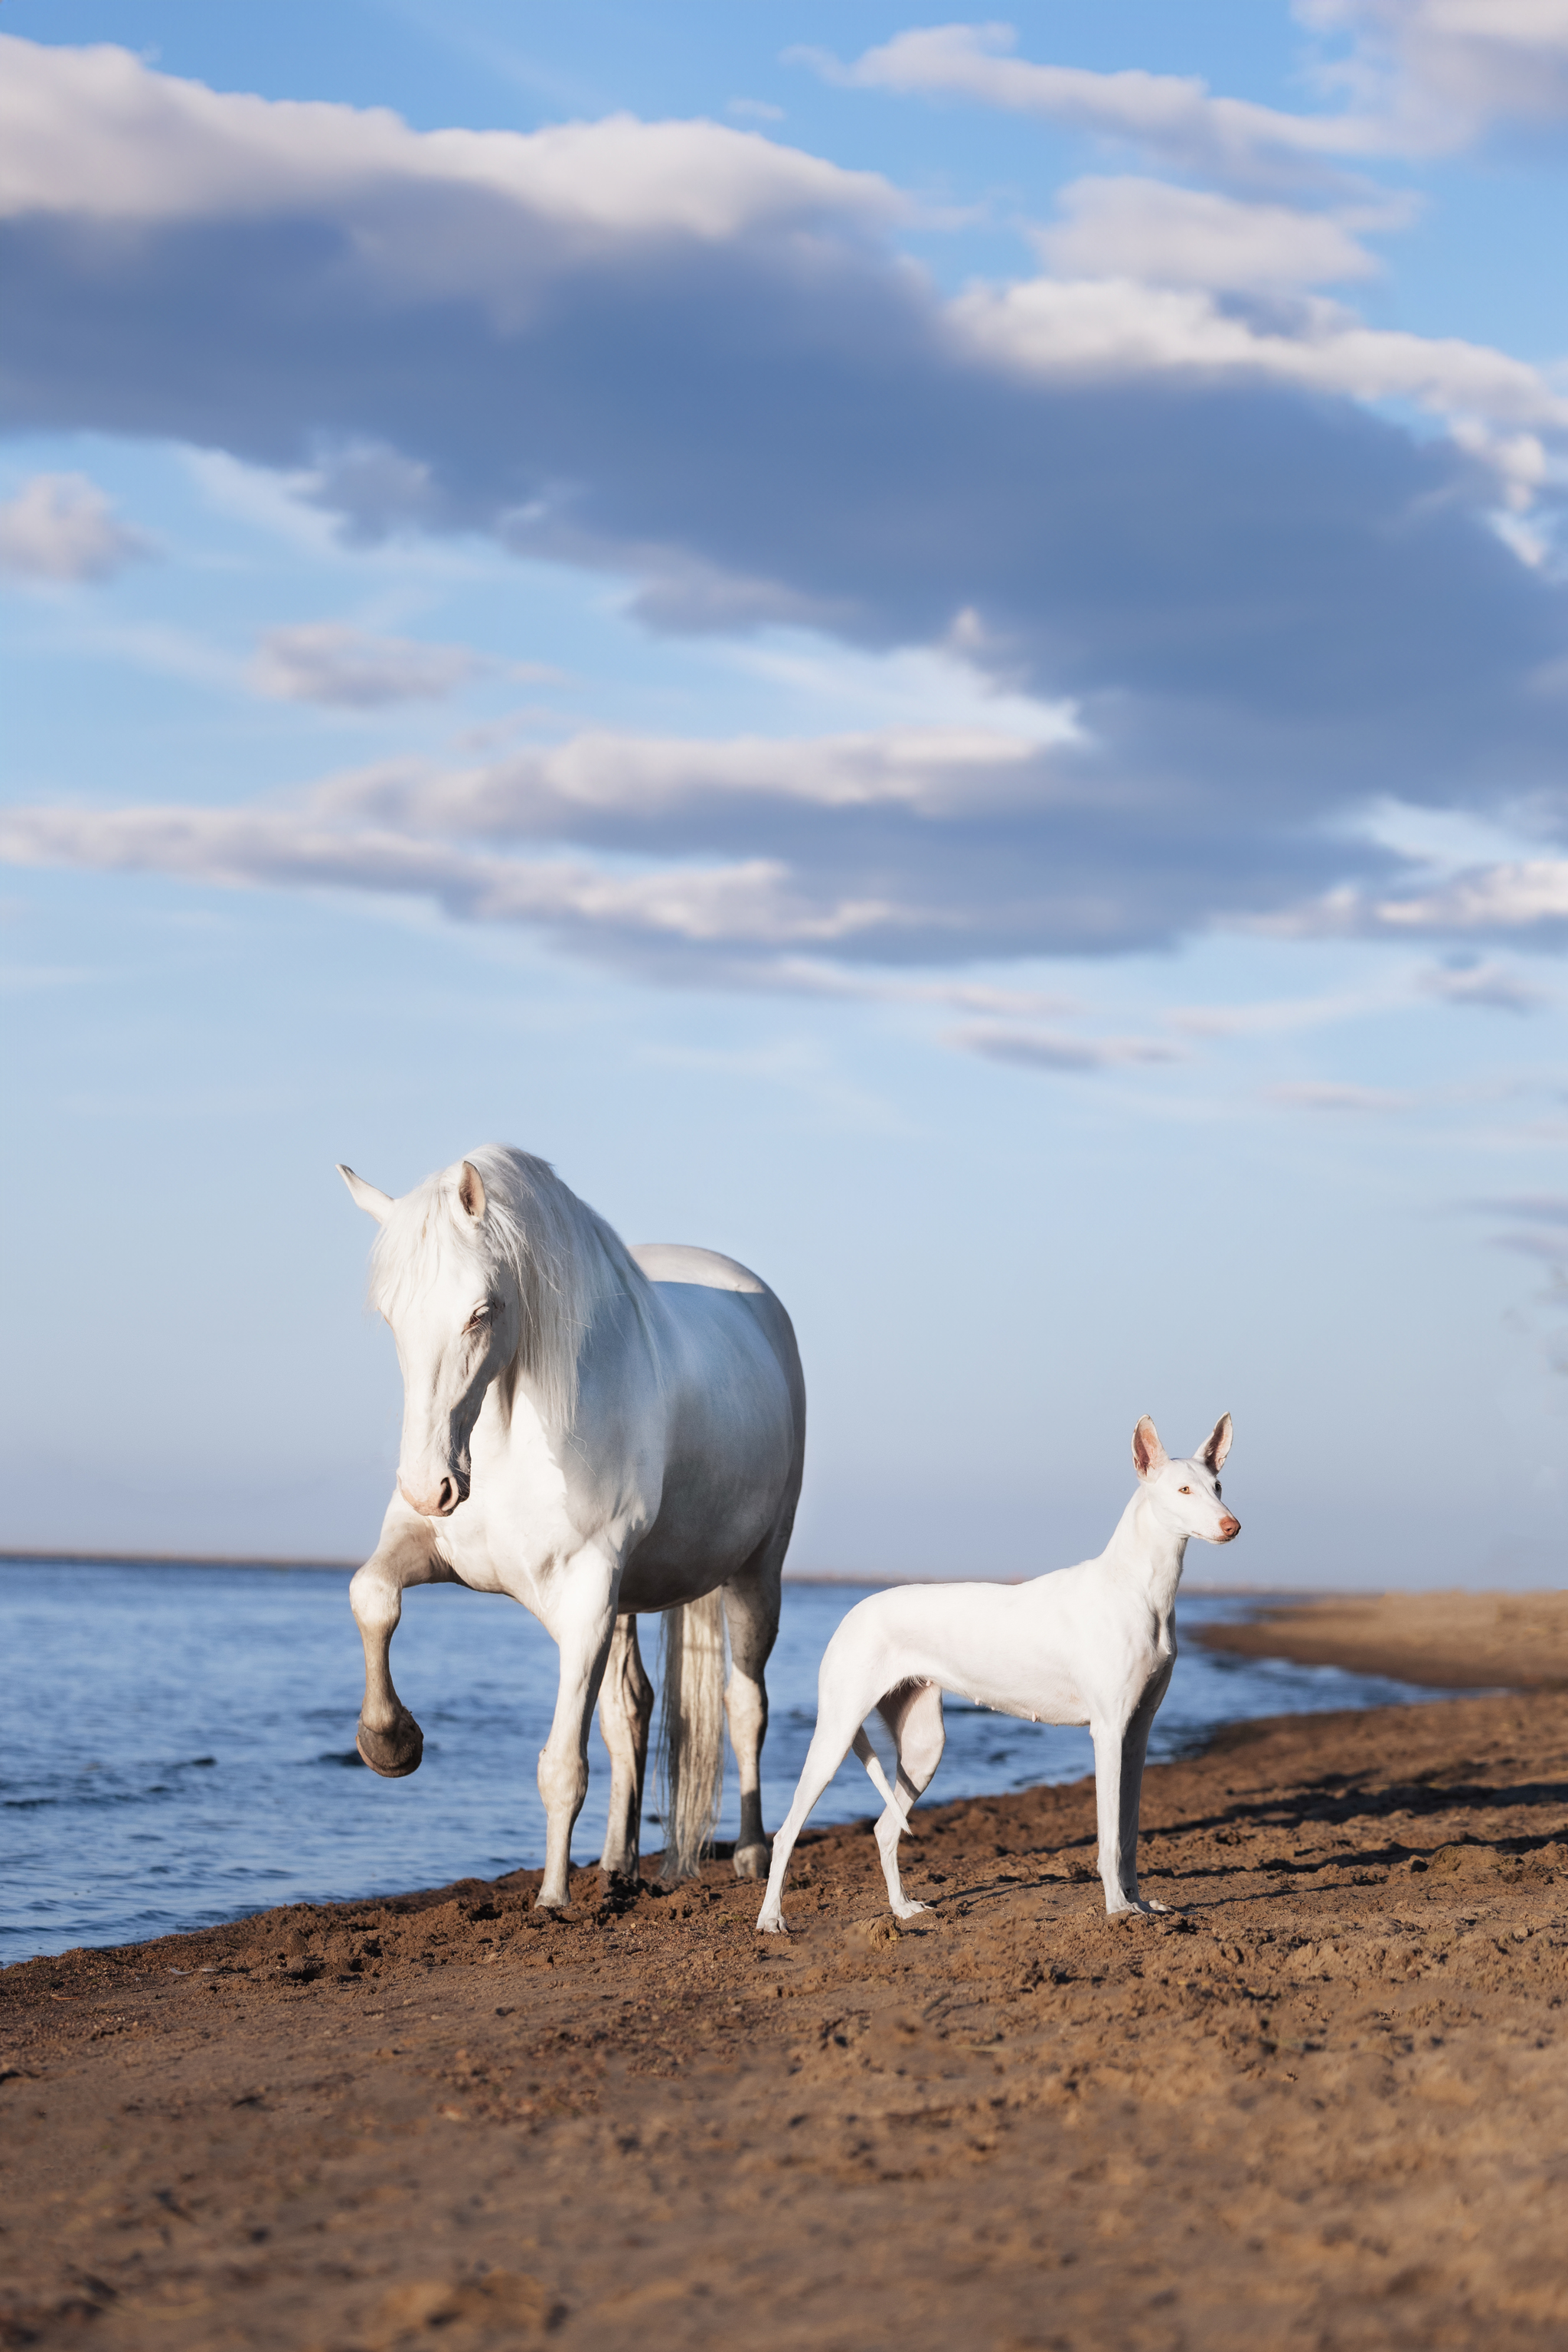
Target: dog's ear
{"points": [[1148, 1454], [1216, 1445]]}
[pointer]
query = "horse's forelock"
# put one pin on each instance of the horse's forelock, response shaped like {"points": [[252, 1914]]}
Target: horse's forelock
{"points": [[418, 1240], [563, 1260]]}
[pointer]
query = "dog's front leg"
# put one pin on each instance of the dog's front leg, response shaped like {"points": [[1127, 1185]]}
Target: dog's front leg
{"points": [[1134, 1748], [1109, 1740]]}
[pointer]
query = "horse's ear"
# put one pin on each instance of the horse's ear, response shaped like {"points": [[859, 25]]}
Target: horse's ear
{"points": [[1148, 1454], [1216, 1445], [376, 1204], [471, 1190]]}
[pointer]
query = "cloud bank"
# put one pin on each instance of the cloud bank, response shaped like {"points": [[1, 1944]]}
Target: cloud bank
{"points": [[1172, 504]]}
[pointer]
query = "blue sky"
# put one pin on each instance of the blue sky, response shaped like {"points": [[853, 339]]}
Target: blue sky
{"points": [[935, 654]]}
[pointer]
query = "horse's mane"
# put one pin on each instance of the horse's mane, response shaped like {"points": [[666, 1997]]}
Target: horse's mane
{"points": [[566, 1260]]}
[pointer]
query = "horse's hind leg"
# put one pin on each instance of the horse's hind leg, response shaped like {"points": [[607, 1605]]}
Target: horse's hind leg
{"points": [[913, 1715], [625, 1710], [387, 1737], [752, 1613]]}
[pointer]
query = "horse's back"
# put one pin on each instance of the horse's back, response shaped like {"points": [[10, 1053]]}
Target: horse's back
{"points": [[674, 1266], [682, 1261]]}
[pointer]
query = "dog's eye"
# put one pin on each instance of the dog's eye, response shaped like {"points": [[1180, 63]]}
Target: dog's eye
{"points": [[1184, 1490]]}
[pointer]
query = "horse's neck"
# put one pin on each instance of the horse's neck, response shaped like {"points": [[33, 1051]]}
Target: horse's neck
{"points": [[1147, 1554]]}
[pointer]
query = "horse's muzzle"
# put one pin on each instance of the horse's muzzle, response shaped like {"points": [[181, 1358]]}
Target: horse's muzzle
{"points": [[452, 1490]]}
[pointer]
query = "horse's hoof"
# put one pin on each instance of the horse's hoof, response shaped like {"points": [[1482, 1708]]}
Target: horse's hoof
{"points": [[751, 1861], [543, 1901], [395, 1753]]}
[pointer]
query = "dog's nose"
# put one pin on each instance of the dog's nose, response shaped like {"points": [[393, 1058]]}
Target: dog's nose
{"points": [[1228, 1528]]}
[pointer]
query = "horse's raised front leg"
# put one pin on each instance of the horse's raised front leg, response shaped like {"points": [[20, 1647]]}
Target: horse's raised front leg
{"points": [[625, 1710], [583, 1626], [387, 1737], [752, 1613]]}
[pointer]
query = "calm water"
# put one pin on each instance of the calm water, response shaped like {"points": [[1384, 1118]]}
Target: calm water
{"points": [[178, 1745]]}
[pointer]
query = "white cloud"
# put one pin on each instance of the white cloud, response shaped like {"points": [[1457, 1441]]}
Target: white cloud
{"points": [[1513, 895], [1176, 117], [95, 133], [1116, 328], [348, 668], [806, 976], [1441, 71], [1150, 232], [61, 527], [1424, 77], [749, 903], [931, 771]]}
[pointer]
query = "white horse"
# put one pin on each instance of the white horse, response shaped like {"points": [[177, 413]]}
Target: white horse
{"points": [[1093, 1644], [595, 1430]]}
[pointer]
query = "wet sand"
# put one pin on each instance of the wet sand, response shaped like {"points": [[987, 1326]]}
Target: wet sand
{"points": [[1325, 2102], [1448, 1641]]}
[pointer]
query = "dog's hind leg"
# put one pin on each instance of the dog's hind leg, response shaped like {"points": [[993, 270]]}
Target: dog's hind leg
{"points": [[830, 1743], [862, 1748], [913, 1715]]}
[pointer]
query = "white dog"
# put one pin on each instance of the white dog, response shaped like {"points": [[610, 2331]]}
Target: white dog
{"points": [[1090, 1645]]}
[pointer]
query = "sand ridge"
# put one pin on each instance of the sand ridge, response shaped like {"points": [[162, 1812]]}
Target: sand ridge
{"points": [[1448, 1641], [1325, 2102]]}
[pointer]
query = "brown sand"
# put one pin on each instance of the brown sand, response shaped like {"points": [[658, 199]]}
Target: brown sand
{"points": [[1325, 2103], [1448, 1640]]}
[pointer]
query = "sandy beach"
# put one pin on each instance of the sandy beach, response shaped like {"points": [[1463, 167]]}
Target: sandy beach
{"points": [[1324, 2102], [1448, 1641]]}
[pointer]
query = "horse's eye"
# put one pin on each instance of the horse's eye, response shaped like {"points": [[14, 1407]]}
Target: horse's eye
{"points": [[1216, 1490]]}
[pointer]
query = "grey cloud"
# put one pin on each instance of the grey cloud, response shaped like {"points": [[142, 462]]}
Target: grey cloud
{"points": [[1528, 1208], [1489, 986], [1327, 1094], [1047, 1049]]}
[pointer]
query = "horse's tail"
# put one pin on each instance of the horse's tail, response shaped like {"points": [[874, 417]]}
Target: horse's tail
{"points": [[691, 1735]]}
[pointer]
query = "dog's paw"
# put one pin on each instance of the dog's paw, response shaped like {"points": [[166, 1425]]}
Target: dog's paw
{"points": [[906, 1909], [773, 1925], [1144, 1905]]}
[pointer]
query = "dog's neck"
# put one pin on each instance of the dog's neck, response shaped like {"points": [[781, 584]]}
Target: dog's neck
{"points": [[1144, 1550]]}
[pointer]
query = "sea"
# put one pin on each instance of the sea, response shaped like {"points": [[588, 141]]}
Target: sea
{"points": [[178, 1740]]}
